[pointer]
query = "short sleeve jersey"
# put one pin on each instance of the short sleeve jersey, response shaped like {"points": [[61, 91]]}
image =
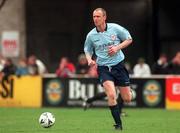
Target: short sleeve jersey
{"points": [[99, 42]]}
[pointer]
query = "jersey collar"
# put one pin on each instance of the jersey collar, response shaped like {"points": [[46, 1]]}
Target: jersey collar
{"points": [[104, 29]]}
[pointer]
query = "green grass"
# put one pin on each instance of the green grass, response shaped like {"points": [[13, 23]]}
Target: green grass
{"points": [[75, 120]]}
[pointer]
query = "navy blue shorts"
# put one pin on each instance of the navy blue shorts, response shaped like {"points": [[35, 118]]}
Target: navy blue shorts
{"points": [[118, 74]]}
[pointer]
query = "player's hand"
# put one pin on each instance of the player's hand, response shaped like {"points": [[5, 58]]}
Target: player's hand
{"points": [[91, 63], [112, 50]]}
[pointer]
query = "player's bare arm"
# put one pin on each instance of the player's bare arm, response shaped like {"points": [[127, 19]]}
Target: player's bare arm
{"points": [[113, 49], [91, 62]]}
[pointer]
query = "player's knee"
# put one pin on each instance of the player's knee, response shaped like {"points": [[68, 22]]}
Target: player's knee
{"points": [[112, 100], [112, 96], [127, 98]]}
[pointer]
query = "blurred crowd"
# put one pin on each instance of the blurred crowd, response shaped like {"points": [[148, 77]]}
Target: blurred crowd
{"points": [[34, 66], [80, 69], [29, 66], [163, 66]]}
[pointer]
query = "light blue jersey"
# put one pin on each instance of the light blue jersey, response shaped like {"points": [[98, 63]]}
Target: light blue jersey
{"points": [[99, 42]]}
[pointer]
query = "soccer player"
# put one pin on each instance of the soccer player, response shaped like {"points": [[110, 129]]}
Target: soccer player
{"points": [[107, 41]]}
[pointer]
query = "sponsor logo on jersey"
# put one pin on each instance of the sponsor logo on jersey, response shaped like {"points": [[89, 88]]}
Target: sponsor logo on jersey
{"points": [[113, 37]]}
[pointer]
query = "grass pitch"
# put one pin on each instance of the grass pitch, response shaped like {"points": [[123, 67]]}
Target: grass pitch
{"points": [[75, 120]]}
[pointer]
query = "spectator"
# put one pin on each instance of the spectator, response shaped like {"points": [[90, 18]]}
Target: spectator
{"points": [[128, 67], [2, 62], [41, 66], [160, 67], [141, 69], [66, 68], [82, 65], [32, 66], [174, 65], [22, 68], [9, 69]]}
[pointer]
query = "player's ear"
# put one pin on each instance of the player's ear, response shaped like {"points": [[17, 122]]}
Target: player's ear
{"points": [[105, 17]]}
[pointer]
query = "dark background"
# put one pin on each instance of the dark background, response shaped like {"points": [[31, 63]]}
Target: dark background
{"points": [[57, 28]]}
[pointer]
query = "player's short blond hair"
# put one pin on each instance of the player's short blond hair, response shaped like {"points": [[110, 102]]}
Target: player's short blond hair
{"points": [[101, 9]]}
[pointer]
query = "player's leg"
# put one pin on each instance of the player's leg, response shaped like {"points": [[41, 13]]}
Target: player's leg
{"points": [[99, 96], [111, 94], [121, 105], [122, 82], [107, 81], [126, 93]]}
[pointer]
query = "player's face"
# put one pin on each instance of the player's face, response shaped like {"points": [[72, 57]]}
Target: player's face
{"points": [[98, 18]]}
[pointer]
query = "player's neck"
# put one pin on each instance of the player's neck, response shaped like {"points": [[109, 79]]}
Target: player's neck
{"points": [[102, 27]]}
